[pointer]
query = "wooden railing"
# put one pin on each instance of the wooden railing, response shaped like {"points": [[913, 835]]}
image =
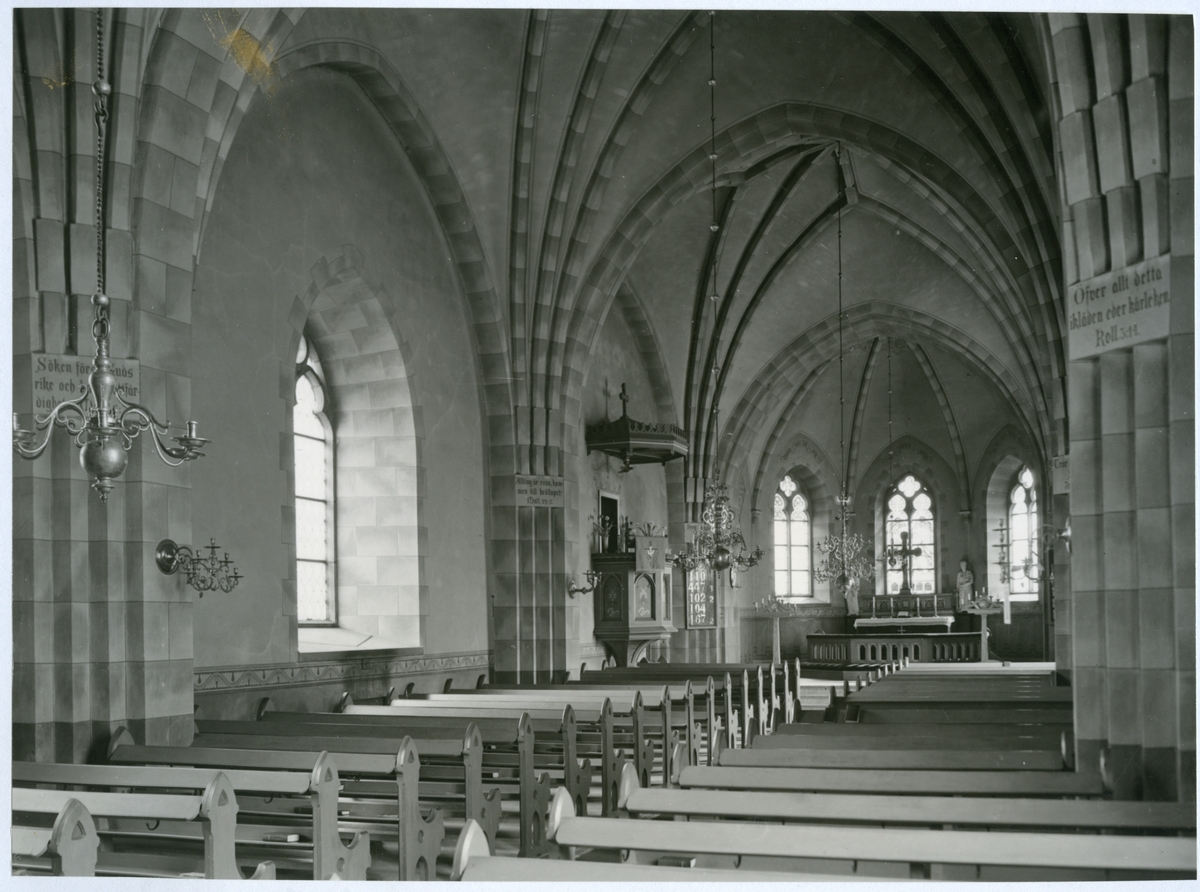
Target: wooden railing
{"points": [[920, 647]]}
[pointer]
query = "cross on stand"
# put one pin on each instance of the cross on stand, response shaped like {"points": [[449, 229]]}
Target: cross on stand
{"points": [[624, 398], [904, 555]]}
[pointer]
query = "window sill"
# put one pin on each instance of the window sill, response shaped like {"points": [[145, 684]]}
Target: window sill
{"points": [[322, 642]]}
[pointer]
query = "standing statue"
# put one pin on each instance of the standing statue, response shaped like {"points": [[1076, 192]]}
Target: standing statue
{"points": [[850, 592], [966, 586]]}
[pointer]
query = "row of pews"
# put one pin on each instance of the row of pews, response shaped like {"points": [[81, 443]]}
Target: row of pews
{"points": [[662, 771], [319, 795]]}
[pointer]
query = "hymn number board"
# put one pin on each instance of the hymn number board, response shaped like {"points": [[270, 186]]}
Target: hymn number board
{"points": [[701, 598]]}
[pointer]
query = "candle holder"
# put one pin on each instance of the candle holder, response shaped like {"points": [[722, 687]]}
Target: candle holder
{"points": [[592, 576], [204, 573]]}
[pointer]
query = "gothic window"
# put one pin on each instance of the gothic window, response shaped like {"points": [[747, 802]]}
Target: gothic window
{"points": [[1023, 532], [793, 542], [313, 446], [910, 510]]}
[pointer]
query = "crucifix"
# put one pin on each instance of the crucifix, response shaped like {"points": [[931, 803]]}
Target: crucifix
{"points": [[904, 555], [624, 398]]}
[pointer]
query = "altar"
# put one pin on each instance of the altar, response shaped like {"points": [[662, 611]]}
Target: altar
{"points": [[902, 623]]}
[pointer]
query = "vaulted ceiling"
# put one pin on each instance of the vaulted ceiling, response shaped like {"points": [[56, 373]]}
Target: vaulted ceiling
{"points": [[579, 140], [567, 153]]}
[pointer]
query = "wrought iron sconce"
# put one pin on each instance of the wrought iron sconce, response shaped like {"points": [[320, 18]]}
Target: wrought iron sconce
{"points": [[204, 574], [593, 577]]}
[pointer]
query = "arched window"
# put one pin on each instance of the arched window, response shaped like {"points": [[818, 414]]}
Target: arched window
{"points": [[793, 541], [316, 586], [1023, 528], [910, 510]]}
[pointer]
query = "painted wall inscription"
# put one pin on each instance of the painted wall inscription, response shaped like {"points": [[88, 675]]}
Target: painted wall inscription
{"points": [[62, 377], [1119, 309], [539, 492]]}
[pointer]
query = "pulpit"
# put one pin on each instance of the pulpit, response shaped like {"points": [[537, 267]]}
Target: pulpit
{"points": [[632, 600]]}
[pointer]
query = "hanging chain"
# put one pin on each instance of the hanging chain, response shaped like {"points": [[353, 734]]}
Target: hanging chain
{"points": [[891, 442], [841, 353], [715, 225], [102, 91]]}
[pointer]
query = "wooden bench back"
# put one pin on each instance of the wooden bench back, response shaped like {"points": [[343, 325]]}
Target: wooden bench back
{"points": [[916, 781]]}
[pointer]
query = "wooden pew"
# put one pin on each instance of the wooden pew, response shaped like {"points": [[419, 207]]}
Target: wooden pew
{"points": [[52, 837], [506, 755], [906, 782], [675, 704], [897, 851], [582, 737], [638, 727], [751, 703], [319, 787], [791, 756], [135, 848], [954, 713], [928, 811], [376, 774], [473, 862], [600, 732]]}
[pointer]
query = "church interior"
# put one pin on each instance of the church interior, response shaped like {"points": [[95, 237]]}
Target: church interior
{"points": [[523, 349]]}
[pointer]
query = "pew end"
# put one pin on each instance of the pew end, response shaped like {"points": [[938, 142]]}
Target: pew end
{"points": [[120, 737], [679, 760], [472, 843], [68, 849], [420, 834], [561, 807], [627, 784], [332, 857], [266, 871]]}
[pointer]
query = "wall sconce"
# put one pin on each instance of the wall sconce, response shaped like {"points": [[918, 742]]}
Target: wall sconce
{"points": [[593, 577], [204, 574]]}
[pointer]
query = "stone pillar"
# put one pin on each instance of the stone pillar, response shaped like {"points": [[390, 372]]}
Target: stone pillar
{"points": [[529, 603], [1126, 165], [100, 638]]}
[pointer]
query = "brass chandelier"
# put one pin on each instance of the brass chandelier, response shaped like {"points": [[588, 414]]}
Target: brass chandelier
{"points": [[717, 541], [846, 562], [101, 422]]}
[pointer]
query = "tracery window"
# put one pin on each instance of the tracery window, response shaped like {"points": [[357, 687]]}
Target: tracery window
{"points": [[313, 446], [1023, 569], [910, 510], [793, 542]]}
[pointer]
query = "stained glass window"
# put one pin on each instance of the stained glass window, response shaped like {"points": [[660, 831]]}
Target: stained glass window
{"points": [[1023, 567], [313, 451], [793, 542], [910, 510]]}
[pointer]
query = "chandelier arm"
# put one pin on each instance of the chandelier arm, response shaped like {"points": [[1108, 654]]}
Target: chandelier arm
{"points": [[62, 415], [134, 419]]}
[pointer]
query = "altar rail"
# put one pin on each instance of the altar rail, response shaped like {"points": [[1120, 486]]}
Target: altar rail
{"points": [[920, 647]]}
